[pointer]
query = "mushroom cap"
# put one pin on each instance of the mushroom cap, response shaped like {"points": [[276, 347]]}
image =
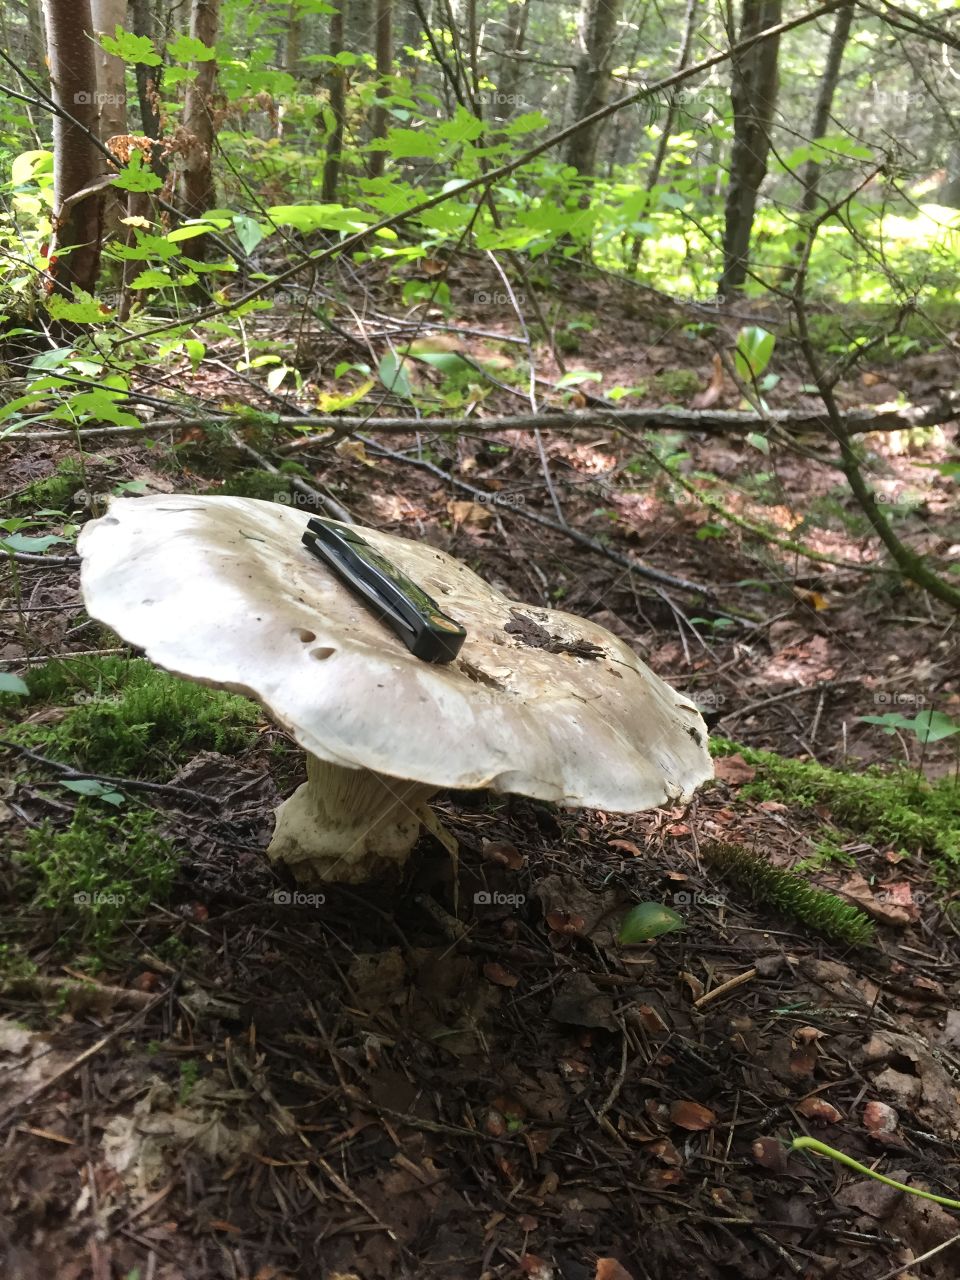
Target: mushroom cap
{"points": [[221, 590]]}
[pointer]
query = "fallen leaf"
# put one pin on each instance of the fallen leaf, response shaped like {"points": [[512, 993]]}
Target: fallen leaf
{"points": [[858, 891], [536, 1268], [471, 515], [664, 1151], [627, 846], [650, 1020], [564, 922], [770, 1154], [503, 852], [879, 1118], [692, 1115], [582, 1004], [496, 973], [714, 388], [734, 769], [610, 1269], [819, 1111]]}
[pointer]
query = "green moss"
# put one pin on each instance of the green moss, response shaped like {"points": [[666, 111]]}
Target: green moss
{"points": [[126, 716], [895, 808], [678, 384], [771, 886], [53, 491], [98, 874]]}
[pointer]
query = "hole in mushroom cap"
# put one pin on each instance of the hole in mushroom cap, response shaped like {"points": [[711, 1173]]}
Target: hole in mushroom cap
{"points": [[302, 634], [324, 651]]}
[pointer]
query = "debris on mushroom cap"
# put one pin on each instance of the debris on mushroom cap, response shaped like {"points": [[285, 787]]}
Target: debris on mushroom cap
{"points": [[540, 703]]}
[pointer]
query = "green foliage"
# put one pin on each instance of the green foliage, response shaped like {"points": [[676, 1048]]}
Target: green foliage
{"points": [[99, 873], [895, 808], [771, 886], [648, 920], [54, 490], [126, 717]]}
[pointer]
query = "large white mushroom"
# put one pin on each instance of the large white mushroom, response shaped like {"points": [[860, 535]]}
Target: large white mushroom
{"points": [[538, 702]]}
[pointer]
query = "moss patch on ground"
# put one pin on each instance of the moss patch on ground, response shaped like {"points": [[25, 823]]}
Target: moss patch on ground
{"points": [[124, 716], [894, 808], [97, 875]]}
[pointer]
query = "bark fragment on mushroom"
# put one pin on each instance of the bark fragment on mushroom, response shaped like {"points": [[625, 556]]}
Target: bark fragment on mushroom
{"points": [[538, 702]]}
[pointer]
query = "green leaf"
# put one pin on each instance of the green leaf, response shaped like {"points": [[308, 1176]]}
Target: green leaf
{"points": [[649, 920], [394, 377], [9, 683], [928, 726], [95, 790], [135, 177], [82, 310], [151, 279], [189, 49], [249, 232], [575, 376], [759, 442], [131, 48], [754, 349], [32, 546]]}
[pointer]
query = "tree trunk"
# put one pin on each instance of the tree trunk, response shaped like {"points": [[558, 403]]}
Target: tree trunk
{"points": [[107, 15], [753, 93], [338, 97], [294, 37], [511, 67], [384, 41], [76, 161], [821, 114], [598, 29], [148, 78], [38, 51], [358, 24], [656, 168], [196, 190]]}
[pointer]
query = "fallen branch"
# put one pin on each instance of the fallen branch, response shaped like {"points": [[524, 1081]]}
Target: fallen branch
{"points": [[714, 422], [625, 562]]}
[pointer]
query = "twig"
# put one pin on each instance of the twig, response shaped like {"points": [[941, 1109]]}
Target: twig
{"points": [[798, 692], [77, 775], [626, 562], [724, 987]]}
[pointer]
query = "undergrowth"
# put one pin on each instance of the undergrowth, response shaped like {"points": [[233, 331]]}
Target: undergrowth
{"points": [[772, 886], [898, 808], [99, 873], [125, 716]]}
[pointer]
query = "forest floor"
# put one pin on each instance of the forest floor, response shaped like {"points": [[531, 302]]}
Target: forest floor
{"points": [[404, 1082]]}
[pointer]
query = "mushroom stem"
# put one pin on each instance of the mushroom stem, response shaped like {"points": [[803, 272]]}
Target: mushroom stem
{"points": [[342, 824]]}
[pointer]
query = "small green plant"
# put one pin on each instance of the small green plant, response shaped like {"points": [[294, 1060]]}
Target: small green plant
{"points": [[821, 1149], [768, 885], [189, 1074]]}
